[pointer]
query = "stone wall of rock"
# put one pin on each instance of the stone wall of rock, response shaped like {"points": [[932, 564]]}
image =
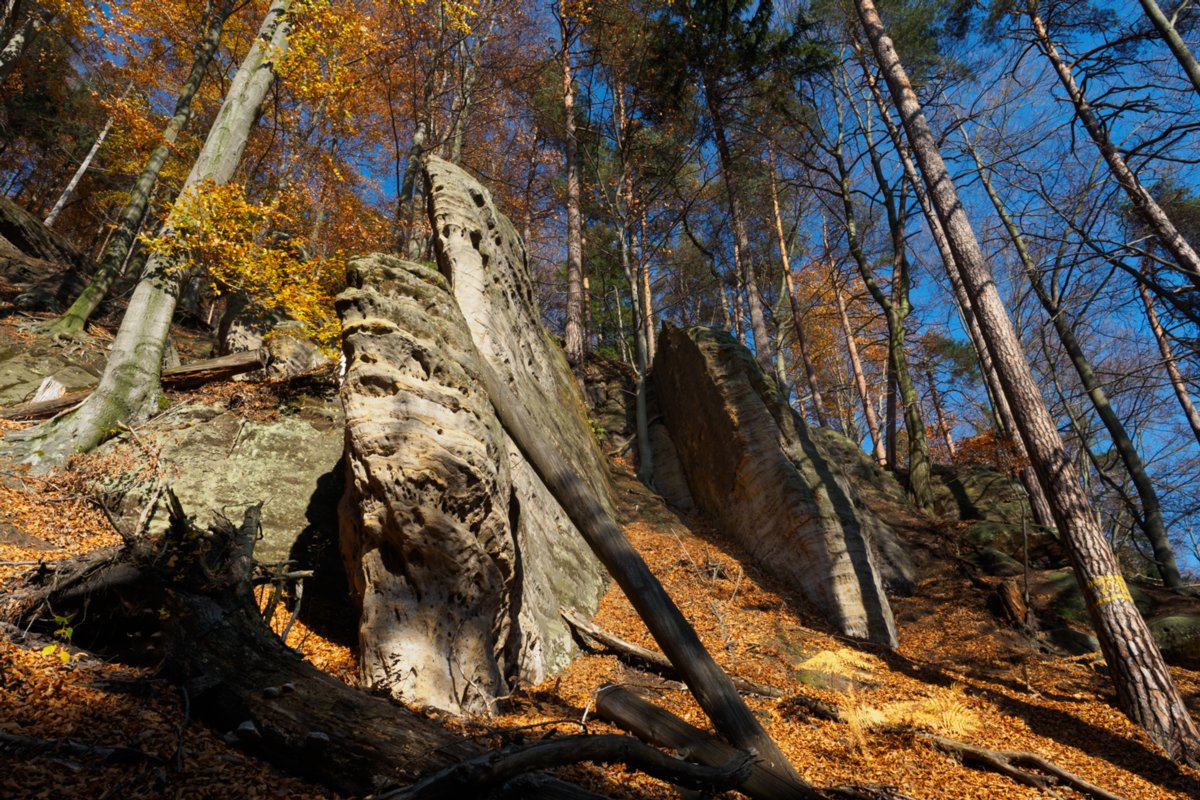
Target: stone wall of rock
{"points": [[754, 467], [483, 258], [456, 552]]}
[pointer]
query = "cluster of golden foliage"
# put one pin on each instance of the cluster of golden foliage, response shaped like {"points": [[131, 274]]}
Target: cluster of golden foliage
{"points": [[247, 247], [990, 449]]}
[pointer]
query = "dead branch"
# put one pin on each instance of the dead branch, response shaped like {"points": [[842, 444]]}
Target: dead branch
{"points": [[628, 649], [1009, 762], [496, 768], [16, 744], [188, 376]]}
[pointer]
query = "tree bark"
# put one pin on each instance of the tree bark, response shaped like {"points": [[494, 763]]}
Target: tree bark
{"points": [[84, 166], [711, 687], [1164, 348], [573, 335], [785, 262], [1150, 518], [1179, 48], [1187, 260], [23, 36], [1037, 496], [130, 389], [745, 263], [1145, 690], [123, 237]]}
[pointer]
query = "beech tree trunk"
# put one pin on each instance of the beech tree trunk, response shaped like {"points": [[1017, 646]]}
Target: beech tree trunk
{"points": [[84, 166], [1187, 260], [1145, 690], [896, 308], [23, 36], [1149, 518], [123, 237], [573, 335], [130, 390]]}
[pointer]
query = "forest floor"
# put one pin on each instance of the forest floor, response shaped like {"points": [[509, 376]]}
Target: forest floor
{"points": [[957, 673]]}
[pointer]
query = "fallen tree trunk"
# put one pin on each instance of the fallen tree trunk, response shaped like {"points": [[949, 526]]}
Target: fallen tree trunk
{"points": [[189, 376], [594, 632], [652, 724], [211, 639], [712, 688]]}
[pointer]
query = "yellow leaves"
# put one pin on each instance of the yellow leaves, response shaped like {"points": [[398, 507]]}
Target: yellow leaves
{"points": [[251, 248]]}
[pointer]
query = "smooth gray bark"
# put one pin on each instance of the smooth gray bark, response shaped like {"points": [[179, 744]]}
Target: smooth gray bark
{"points": [[130, 389], [1166, 29], [133, 215]]}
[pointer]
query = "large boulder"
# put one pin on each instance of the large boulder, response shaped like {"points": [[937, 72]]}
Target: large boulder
{"points": [[752, 464], [218, 461], [457, 553], [484, 260], [42, 268]]}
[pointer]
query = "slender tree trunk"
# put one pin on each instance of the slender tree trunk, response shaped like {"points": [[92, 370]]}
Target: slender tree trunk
{"points": [[647, 311], [1166, 29], [1144, 205], [737, 217], [895, 308], [573, 335], [860, 379], [785, 263], [121, 240], [936, 399], [1145, 690], [1150, 518], [84, 166], [1039, 505], [130, 389], [1164, 348]]}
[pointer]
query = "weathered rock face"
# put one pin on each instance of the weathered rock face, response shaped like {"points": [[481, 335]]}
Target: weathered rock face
{"points": [[452, 543], [41, 263], [217, 459], [760, 474], [480, 254]]}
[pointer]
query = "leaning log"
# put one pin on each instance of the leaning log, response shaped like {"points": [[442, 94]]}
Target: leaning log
{"points": [[188, 376], [712, 688], [656, 726]]}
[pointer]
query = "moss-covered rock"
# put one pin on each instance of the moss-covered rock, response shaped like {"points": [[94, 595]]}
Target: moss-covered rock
{"points": [[1178, 637]]}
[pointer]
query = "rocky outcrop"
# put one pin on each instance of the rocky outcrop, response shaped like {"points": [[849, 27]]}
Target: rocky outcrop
{"points": [[456, 552], [42, 265], [219, 461], [480, 254], [756, 469]]}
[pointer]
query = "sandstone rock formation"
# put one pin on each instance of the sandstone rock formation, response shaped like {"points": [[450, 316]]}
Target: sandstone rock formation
{"points": [[757, 470], [458, 554]]}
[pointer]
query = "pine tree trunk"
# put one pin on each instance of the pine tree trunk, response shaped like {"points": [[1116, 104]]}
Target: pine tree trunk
{"points": [[1145, 690], [573, 335], [121, 241], [129, 390], [1187, 260], [1037, 496], [1150, 518], [1166, 29], [1164, 348], [745, 263]]}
